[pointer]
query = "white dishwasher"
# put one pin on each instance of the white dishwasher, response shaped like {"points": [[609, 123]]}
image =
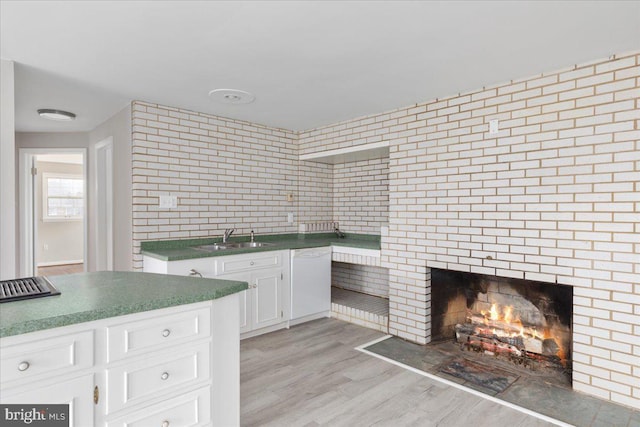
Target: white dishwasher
{"points": [[310, 284]]}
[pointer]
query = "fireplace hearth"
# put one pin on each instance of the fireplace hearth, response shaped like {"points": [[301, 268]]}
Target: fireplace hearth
{"points": [[522, 321]]}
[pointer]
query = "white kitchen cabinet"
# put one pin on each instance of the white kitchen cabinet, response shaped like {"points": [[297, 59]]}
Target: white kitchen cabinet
{"points": [[261, 305], [176, 366], [267, 297], [264, 307], [76, 392], [30, 372]]}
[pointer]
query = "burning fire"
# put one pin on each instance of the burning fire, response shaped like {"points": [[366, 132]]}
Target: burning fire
{"points": [[504, 322]]}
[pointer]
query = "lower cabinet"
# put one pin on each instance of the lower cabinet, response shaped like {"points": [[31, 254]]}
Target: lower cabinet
{"points": [[261, 305], [265, 306], [177, 366], [76, 392]]}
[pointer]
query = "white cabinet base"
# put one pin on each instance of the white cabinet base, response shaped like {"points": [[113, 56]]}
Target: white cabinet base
{"points": [[179, 364]]}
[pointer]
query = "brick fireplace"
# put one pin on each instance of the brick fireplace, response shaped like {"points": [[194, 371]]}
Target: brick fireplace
{"points": [[525, 322], [553, 196]]}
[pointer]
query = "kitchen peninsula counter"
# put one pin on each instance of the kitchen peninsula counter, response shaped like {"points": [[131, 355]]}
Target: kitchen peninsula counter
{"points": [[93, 296], [127, 348]]}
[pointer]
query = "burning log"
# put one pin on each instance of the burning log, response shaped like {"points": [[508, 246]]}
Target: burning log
{"points": [[493, 338]]}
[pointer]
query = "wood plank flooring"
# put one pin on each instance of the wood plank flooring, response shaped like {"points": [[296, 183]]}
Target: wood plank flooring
{"points": [[58, 270], [311, 375]]}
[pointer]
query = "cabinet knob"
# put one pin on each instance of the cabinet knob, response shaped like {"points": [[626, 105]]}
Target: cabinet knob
{"points": [[165, 423], [251, 263], [166, 333], [23, 366], [164, 376]]}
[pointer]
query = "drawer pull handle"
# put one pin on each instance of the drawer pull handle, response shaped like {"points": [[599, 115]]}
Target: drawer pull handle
{"points": [[23, 366], [165, 423], [166, 333], [164, 376]]}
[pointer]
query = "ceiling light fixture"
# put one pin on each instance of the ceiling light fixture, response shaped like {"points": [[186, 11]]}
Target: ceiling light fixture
{"points": [[232, 96], [57, 115]]}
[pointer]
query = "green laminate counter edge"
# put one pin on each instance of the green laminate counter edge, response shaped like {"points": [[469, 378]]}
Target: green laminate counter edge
{"points": [[175, 250], [86, 297]]}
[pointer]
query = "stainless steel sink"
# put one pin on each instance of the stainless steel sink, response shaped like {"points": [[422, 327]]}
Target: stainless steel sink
{"points": [[235, 245], [213, 248], [253, 244]]}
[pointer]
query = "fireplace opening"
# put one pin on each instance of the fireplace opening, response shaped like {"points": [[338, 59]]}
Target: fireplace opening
{"points": [[525, 322]]}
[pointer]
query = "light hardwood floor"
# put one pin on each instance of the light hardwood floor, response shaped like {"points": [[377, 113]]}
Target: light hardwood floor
{"points": [[58, 270], [311, 375]]}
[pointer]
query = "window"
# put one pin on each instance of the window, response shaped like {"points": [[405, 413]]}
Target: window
{"points": [[63, 197]]}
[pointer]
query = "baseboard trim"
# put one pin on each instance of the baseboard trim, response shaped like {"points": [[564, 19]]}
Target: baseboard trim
{"points": [[56, 263]]}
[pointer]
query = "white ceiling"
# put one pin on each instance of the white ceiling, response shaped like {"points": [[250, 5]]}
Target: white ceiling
{"points": [[308, 63]]}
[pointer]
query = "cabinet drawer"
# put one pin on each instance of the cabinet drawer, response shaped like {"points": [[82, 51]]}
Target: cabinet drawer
{"points": [[131, 338], [190, 409], [148, 377], [225, 265], [48, 357]]}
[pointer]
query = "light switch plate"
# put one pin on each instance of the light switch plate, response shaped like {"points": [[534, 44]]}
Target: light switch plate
{"points": [[168, 202], [494, 126]]}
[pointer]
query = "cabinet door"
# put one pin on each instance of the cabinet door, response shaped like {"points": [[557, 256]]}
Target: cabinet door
{"points": [[245, 298], [78, 393], [267, 297]]}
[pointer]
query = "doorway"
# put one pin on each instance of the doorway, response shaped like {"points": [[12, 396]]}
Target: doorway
{"points": [[103, 192], [53, 211]]}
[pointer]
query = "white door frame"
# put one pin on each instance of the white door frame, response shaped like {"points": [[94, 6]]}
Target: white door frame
{"points": [[28, 233], [103, 193]]}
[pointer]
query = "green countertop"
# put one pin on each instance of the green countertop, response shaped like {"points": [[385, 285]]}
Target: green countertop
{"points": [[92, 296], [173, 250]]}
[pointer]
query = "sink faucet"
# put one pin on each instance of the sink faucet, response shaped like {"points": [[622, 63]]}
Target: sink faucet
{"points": [[228, 232], [252, 236], [339, 233]]}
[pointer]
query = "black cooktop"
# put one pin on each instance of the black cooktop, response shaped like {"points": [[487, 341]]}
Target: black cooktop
{"points": [[26, 288]]}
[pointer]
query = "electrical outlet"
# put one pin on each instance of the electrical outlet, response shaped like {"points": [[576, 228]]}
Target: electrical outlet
{"points": [[45, 247], [290, 217]]}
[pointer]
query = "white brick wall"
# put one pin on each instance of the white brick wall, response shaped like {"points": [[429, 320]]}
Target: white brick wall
{"points": [[226, 173], [315, 192], [361, 195], [553, 196]]}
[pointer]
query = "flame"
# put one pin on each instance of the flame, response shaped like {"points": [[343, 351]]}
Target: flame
{"points": [[493, 313], [508, 313]]}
